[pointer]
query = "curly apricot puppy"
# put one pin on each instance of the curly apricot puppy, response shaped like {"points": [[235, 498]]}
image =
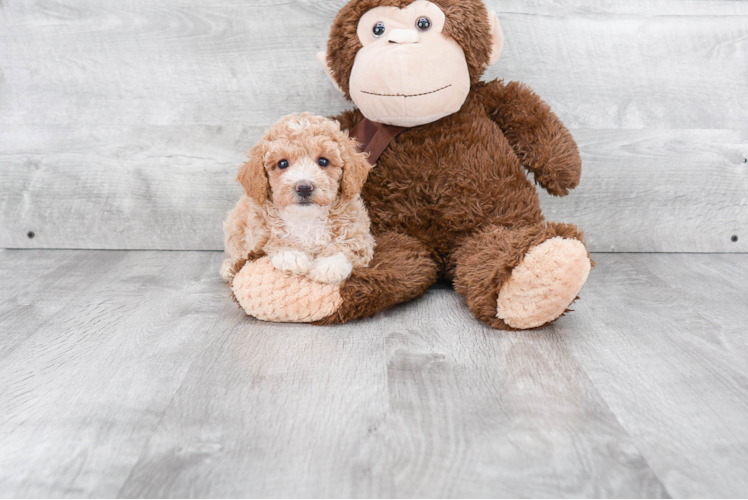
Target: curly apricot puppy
{"points": [[302, 206]]}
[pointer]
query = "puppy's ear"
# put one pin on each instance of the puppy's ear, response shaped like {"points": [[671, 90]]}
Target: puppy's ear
{"points": [[253, 177], [355, 171]]}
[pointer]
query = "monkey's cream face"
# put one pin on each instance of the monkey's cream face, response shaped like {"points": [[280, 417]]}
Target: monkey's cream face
{"points": [[408, 72]]}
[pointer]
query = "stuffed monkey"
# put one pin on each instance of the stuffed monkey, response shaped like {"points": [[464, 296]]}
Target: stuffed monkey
{"points": [[449, 197]]}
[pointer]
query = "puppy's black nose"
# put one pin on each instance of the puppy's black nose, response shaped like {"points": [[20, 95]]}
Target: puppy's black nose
{"points": [[305, 189]]}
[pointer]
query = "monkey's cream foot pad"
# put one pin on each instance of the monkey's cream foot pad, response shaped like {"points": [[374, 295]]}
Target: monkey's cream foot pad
{"points": [[544, 284], [270, 295]]}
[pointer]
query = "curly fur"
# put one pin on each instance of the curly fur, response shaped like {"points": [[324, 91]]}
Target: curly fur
{"points": [[272, 220]]}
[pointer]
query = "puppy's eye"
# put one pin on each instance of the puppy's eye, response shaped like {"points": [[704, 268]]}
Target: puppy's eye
{"points": [[423, 24], [379, 29], [283, 164], [323, 162]]}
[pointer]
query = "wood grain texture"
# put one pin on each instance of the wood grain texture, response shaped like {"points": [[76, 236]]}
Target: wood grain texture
{"points": [[85, 388], [151, 382], [631, 64], [150, 188], [475, 413], [37, 285], [171, 187], [401, 406], [659, 191], [123, 123], [623, 64], [663, 339]]}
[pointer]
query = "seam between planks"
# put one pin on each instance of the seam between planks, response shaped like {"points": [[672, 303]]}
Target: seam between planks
{"points": [[604, 401]]}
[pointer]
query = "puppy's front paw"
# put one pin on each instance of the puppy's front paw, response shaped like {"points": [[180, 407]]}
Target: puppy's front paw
{"points": [[297, 263], [333, 270]]}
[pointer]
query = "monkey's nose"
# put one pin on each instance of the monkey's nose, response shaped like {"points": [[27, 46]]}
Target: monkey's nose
{"points": [[305, 189], [403, 36]]}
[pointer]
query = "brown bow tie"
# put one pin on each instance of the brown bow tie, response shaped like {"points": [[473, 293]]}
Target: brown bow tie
{"points": [[375, 137]]}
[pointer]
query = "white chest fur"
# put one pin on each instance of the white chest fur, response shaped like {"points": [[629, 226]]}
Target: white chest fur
{"points": [[306, 226]]}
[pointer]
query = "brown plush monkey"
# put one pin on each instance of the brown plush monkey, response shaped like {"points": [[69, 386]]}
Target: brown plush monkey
{"points": [[449, 197]]}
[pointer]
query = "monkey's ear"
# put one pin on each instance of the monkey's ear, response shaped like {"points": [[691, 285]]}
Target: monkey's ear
{"points": [[253, 177], [497, 37], [355, 172], [322, 58]]}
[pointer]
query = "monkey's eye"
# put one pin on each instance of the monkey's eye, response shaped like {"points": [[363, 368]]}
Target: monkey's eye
{"points": [[283, 164], [423, 24], [379, 29], [323, 162]]}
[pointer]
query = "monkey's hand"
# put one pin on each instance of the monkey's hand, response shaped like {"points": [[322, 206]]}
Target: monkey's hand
{"points": [[544, 146]]}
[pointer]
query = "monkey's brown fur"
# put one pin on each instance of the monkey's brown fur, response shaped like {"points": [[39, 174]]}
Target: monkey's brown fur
{"points": [[456, 187], [451, 199]]}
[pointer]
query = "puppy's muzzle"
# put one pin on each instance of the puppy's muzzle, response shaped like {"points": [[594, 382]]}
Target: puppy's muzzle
{"points": [[305, 189]]}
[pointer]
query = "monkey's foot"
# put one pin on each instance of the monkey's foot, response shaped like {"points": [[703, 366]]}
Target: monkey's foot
{"points": [[402, 270], [545, 284], [271, 295]]}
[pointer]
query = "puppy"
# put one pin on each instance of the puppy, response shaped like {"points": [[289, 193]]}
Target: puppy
{"points": [[302, 206]]}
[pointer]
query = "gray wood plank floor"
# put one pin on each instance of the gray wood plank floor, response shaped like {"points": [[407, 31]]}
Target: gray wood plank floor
{"points": [[133, 374]]}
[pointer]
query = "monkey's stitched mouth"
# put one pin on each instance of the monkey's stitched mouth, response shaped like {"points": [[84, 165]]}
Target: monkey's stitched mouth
{"points": [[406, 95]]}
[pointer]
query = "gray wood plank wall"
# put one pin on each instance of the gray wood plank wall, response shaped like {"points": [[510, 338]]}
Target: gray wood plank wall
{"points": [[122, 123]]}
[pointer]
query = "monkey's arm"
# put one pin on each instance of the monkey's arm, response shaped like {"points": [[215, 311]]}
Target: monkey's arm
{"points": [[544, 145]]}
